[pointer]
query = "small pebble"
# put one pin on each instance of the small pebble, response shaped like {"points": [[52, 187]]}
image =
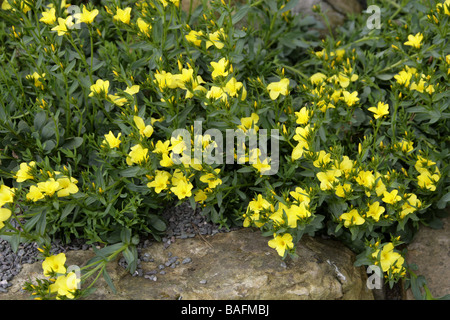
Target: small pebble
{"points": [[186, 260], [203, 281]]}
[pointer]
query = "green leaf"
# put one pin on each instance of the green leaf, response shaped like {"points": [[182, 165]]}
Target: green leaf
{"points": [[73, 143], [240, 14], [109, 280], [157, 223]]}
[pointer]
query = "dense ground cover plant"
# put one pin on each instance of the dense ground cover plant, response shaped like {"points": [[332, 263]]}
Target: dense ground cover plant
{"points": [[93, 98]]}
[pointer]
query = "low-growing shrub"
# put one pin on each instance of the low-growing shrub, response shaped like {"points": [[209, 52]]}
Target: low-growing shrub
{"points": [[111, 112]]}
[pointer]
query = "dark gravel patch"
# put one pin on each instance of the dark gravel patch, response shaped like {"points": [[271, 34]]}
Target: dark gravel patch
{"points": [[182, 223]]}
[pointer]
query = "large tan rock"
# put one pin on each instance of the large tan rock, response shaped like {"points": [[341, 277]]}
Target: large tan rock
{"points": [[227, 266], [430, 251]]}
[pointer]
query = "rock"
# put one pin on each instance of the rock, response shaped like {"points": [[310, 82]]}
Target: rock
{"points": [[229, 266], [430, 251], [336, 10]]}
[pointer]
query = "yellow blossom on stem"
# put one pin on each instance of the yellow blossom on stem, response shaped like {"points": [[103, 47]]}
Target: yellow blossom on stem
{"points": [[5, 213], [281, 243], [87, 16], [391, 197], [65, 285], [48, 16], [62, 26], [277, 88], [23, 173], [67, 186], [414, 41], [375, 211], [34, 194], [160, 182], [123, 15], [111, 140], [352, 218], [380, 111], [220, 68], [100, 87], [138, 155], [388, 257], [144, 130], [54, 264]]}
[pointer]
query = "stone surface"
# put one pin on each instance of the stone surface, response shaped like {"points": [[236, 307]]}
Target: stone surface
{"points": [[430, 251], [228, 266]]}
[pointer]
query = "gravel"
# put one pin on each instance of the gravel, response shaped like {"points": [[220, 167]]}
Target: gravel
{"points": [[182, 223]]}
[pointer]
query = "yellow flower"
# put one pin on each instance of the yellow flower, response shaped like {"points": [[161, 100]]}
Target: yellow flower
{"points": [[215, 39], [296, 212], [277, 88], [414, 41], [281, 243], [211, 179], [144, 27], [233, 86], [144, 130], [111, 141], [166, 161], [220, 68], [65, 285], [62, 26], [6, 5], [138, 154], [258, 204], [100, 87], [301, 195], [303, 116], [366, 179], [388, 257], [403, 78], [375, 211], [352, 218], [422, 164], [341, 190], [323, 158], [67, 186], [350, 98], [182, 189], [380, 111], [36, 77], [317, 78], [160, 181], [412, 203], [328, 178], [54, 264], [23, 173], [48, 187], [248, 123], [166, 80], [162, 147], [391, 197], [406, 146], [123, 15], [87, 16], [194, 37], [427, 180], [48, 16], [34, 194], [418, 87], [200, 196], [4, 215], [215, 93]]}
